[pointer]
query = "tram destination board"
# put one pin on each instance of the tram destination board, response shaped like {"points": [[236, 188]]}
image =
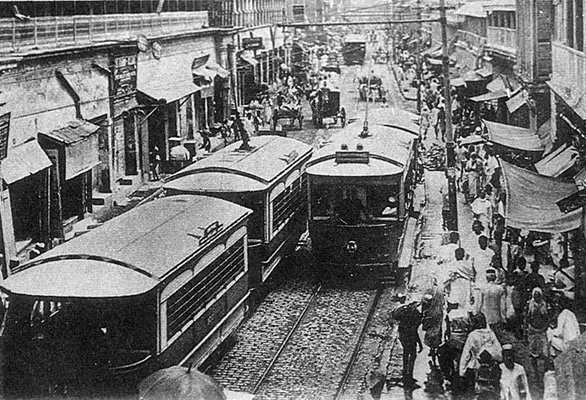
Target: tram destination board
{"points": [[253, 43]]}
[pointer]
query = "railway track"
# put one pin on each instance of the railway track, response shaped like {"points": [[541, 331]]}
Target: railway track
{"points": [[317, 356]]}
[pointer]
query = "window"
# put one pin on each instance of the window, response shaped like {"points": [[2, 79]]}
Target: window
{"points": [[575, 24], [288, 202], [195, 295]]}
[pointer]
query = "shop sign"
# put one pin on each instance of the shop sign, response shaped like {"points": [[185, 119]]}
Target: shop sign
{"points": [[125, 72], [4, 129], [572, 202], [253, 43], [298, 13]]}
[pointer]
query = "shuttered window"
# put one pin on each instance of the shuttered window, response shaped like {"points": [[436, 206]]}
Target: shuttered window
{"points": [[196, 294]]}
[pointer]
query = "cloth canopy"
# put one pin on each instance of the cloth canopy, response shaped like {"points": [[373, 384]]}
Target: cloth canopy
{"points": [[513, 137], [557, 162], [531, 201], [490, 96]]}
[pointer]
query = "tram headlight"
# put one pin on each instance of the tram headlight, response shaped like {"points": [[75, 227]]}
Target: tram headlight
{"points": [[351, 246]]}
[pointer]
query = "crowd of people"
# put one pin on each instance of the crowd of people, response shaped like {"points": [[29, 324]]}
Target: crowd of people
{"points": [[493, 319]]}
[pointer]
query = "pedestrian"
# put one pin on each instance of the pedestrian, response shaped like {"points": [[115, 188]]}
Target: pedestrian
{"points": [[472, 172], [446, 253], [532, 280], [482, 210], [459, 283], [432, 309], [564, 326], [179, 152], [487, 377], [536, 323], [482, 338], [206, 142], [155, 158], [409, 319], [491, 301], [482, 257], [513, 383]]}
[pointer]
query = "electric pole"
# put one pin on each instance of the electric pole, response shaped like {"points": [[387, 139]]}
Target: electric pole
{"points": [[452, 223]]}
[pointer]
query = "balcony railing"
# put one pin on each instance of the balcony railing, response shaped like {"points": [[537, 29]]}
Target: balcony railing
{"points": [[502, 39], [473, 40], [85, 30], [568, 70]]}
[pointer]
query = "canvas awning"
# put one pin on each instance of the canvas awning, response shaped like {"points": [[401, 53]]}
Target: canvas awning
{"points": [[484, 72], [531, 201], [81, 146], [457, 82], [249, 59], [517, 101], [557, 162], [24, 160], [513, 137], [168, 79], [472, 9], [490, 96], [472, 76]]}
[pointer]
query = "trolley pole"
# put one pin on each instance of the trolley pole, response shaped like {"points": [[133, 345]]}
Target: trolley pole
{"points": [[452, 223]]}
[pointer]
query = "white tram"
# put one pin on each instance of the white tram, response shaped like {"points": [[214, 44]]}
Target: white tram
{"points": [[161, 284], [270, 180], [361, 190]]}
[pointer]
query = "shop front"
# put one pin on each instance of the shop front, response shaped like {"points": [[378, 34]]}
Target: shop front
{"points": [[74, 152]]}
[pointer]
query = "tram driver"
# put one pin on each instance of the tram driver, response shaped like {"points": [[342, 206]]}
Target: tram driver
{"points": [[351, 210]]}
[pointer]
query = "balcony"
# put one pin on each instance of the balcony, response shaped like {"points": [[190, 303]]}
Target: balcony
{"points": [[568, 72], [472, 41], [502, 41], [80, 31]]}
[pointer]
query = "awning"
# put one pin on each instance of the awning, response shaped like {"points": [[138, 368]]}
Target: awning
{"points": [[517, 101], [531, 201], [457, 82], [218, 69], [557, 162], [513, 137], [24, 160], [435, 51], [168, 79], [248, 58], [484, 72], [472, 9], [490, 96], [499, 5], [472, 76], [81, 146]]}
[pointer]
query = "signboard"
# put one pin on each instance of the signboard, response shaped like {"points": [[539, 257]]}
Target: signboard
{"points": [[4, 129], [298, 13], [125, 70], [572, 202], [253, 43]]}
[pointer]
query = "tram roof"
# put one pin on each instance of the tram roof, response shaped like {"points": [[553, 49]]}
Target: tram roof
{"points": [[388, 149], [233, 170], [129, 254], [355, 38]]}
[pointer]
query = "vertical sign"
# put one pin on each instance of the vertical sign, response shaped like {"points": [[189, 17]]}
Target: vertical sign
{"points": [[4, 129], [125, 71]]}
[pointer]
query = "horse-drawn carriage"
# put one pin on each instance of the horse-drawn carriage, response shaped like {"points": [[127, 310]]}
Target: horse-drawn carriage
{"points": [[325, 103], [372, 88], [288, 107]]}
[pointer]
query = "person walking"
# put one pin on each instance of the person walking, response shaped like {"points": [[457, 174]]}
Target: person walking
{"points": [[513, 383], [491, 301], [447, 251], [480, 339], [432, 309], [409, 319], [482, 258], [564, 326], [459, 283], [482, 210], [536, 323]]}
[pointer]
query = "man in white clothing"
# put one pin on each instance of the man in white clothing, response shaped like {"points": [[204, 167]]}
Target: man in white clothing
{"points": [[566, 327], [514, 385], [482, 257], [491, 300], [482, 209]]}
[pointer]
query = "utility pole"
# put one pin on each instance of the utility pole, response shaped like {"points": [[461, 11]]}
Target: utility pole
{"points": [[418, 58], [452, 223]]}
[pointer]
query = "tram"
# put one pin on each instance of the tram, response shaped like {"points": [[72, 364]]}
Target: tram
{"points": [[268, 178], [361, 187], [354, 49], [154, 287]]}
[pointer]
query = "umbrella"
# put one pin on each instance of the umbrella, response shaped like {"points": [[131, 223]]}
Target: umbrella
{"points": [[472, 139], [179, 383]]}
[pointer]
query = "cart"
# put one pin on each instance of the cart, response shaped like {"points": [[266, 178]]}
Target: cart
{"points": [[325, 103], [285, 112], [372, 89]]}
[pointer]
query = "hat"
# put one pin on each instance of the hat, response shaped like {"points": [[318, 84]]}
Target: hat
{"points": [[490, 271], [507, 347]]}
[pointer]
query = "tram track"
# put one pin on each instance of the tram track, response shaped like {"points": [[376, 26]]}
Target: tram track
{"points": [[320, 368]]}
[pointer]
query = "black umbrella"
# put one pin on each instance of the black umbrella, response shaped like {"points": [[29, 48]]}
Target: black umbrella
{"points": [[177, 382]]}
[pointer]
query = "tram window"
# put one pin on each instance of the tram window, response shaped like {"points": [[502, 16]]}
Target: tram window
{"points": [[322, 201], [383, 201], [43, 310]]}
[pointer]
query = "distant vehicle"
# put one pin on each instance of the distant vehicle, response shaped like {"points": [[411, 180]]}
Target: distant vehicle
{"points": [[371, 88], [325, 103], [361, 190], [160, 284], [354, 49]]}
